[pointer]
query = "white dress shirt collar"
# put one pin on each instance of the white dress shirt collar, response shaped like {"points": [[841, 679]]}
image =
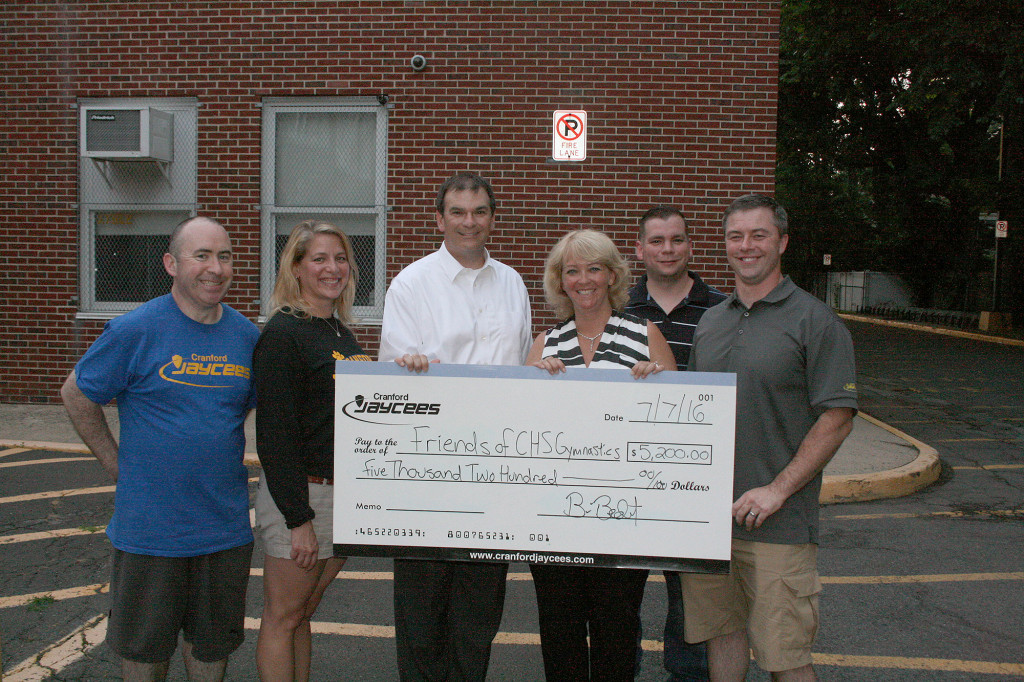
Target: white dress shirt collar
{"points": [[452, 267]]}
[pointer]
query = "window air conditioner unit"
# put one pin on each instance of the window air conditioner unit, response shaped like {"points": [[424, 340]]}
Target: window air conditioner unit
{"points": [[114, 133]]}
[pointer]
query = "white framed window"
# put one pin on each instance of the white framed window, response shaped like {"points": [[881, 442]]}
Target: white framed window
{"points": [[325, 158], [130, 201]]}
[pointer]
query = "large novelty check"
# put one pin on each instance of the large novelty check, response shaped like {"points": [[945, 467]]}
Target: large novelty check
{"points": [[590, 467]]}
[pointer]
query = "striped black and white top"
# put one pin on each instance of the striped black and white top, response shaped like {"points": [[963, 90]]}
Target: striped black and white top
{"points": [[623, 344]]}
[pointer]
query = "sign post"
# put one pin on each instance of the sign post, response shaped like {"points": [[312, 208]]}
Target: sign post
{"points": [[569, 136], [1002, 230]]}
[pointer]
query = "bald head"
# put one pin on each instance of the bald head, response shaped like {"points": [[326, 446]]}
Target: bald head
{"points": [[178, 234]]}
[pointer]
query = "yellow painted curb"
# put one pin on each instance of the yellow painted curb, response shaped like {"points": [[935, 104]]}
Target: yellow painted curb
{"points": [[1006, 341], [904, 480]]}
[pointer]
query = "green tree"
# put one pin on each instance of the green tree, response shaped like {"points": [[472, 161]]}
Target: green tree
{"points": [[889, 136]]}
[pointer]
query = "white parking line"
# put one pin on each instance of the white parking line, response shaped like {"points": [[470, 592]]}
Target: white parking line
{"points": [[102, 588], [51, 460], [74, 646], [43, 445], [388, 632], [50, 534], [55, 595], [49, 495], [60, 655]]}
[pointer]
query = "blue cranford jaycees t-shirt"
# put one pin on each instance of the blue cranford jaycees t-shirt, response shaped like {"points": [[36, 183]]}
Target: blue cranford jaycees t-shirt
{"points": [[183, 392]]}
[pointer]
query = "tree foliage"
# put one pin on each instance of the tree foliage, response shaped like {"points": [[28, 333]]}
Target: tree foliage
{"points": [[889, 136]]}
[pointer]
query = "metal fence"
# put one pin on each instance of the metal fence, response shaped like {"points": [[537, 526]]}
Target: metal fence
{"points": [[946, 318]]}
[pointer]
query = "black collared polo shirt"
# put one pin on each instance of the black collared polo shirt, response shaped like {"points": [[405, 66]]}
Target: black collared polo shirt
{"points": [[677, 325]]}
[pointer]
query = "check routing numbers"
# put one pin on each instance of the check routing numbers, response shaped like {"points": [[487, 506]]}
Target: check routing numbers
{"points": [[590, 462]]}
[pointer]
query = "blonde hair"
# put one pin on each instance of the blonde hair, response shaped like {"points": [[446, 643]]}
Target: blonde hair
{"points": [[287, 294], [589, 246]]}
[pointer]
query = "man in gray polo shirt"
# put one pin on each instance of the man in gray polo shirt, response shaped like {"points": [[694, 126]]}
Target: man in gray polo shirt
{"points": [[796, 399]]}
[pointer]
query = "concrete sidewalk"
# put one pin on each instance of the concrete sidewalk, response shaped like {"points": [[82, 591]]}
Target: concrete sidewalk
{"points": [[875, 462]]}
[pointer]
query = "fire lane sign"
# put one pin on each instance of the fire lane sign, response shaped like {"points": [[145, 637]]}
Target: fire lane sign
{"points": [[569, 136]]}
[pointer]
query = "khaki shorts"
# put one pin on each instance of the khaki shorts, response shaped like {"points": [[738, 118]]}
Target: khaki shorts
{"points": [[772, 592], [277, 537]]}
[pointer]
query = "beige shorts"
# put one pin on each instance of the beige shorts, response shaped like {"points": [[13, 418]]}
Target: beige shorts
{"points": [[772, 592], [277, 537]]}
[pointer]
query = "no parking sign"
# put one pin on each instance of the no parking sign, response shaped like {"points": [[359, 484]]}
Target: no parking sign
{"points": [[569, 136]]}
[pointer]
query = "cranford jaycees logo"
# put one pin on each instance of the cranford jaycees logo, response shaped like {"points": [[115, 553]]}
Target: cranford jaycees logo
{"points": [[387, 408], [204, 371]]}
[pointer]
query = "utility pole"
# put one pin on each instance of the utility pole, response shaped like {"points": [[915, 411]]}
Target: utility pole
{"points": [[994, 320], [995, 264]]}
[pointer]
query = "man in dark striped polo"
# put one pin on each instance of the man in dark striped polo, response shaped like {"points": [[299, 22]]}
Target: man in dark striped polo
{"points": [[673, 298]]}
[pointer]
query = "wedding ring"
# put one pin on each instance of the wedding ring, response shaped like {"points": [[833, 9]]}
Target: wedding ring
{"points": [[750, 513]]}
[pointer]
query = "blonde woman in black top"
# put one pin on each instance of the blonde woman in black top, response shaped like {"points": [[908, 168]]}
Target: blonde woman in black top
{"points": [[293, 372]]}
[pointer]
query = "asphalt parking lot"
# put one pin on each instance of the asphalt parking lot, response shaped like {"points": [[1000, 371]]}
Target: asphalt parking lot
{"points": [[53, 508], [923, 587]]}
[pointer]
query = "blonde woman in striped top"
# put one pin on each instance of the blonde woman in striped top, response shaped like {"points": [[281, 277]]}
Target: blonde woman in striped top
{"points": [[585, 281]]}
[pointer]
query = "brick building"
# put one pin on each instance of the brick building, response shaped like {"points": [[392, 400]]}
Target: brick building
{"points": [[261, 113]]}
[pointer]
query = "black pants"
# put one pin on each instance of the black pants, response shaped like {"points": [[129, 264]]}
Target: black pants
{"points": [[602, 602], [684, 662], [446, 616]]}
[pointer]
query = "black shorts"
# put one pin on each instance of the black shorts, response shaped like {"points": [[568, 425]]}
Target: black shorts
{"points": [[155, 597]]}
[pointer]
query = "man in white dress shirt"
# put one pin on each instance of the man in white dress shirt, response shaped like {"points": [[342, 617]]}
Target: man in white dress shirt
{"points": [[456, 305]]}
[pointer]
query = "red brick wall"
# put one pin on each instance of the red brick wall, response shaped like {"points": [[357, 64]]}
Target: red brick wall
{"points": [[680, 96]]}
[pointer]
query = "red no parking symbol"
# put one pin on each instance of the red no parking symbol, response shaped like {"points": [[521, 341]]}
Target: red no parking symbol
{"points": [[569, 127]]}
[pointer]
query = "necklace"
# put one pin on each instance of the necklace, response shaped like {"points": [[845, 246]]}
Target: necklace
{"points": [[333, 323], [591, 339]]}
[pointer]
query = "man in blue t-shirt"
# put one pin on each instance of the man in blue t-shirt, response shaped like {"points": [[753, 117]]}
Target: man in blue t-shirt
{"points": [[179, 368]]}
